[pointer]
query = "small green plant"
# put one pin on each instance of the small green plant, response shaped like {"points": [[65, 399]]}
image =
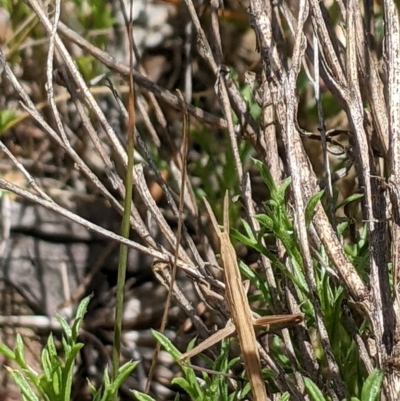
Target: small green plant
{"points": [[207, 387], [276, 222], [7, 119], [370, 389], [216, 386], [55, 379]]}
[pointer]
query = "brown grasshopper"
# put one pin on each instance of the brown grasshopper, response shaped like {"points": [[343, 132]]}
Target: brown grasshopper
{"points": [[243, 321]]}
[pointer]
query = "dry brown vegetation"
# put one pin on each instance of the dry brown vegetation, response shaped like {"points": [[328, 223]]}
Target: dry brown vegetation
{"points": [[310, 88]]}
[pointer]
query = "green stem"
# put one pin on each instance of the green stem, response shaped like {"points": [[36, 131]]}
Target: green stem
{"points": [[123, 257], [125, 228]]}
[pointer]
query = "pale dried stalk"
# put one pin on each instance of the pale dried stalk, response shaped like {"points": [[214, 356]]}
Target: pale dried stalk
{"points": [[250, 132], [327, 170], [136, 221], [151, 206], [293, 146], [392, 56], [162, 272], [160, 254], [221, 90], [32, 110], [344, 75], [70, 64], [375, 219], [368, 67], [282, 86], [140, 80], [143, 190], [249, 126], [329, 240]]}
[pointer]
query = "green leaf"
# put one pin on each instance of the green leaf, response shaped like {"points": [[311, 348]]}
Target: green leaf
{"points": [[44, 387], [46, 364], [6, 119], [372, 386], [68, 371], [7, 352], [123, 372], [65, 327], [245, 390], [265, 174], [232, 363], [166, 344], [218, 388], [106, 386], [51, 348], [280, 193], [341, 227], [277, 193], [23, 385], [67, 345], [141, 396], [312, 202], [349, 199], [92, 388], [75, 328], [249, 231], [255, 278], [284, 397], [313, 391], [266, 221], [106, 378], [193, 389], [299, 282], [246, 241], [82, 307], [57, 380], [97, 395], [19, 352], [80, 313]]}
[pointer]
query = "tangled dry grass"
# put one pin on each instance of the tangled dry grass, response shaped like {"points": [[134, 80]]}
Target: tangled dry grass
{"points": [[312, 91]]}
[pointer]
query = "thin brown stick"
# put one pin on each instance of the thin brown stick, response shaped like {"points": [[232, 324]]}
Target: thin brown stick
{"points": [[164, 320]]}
